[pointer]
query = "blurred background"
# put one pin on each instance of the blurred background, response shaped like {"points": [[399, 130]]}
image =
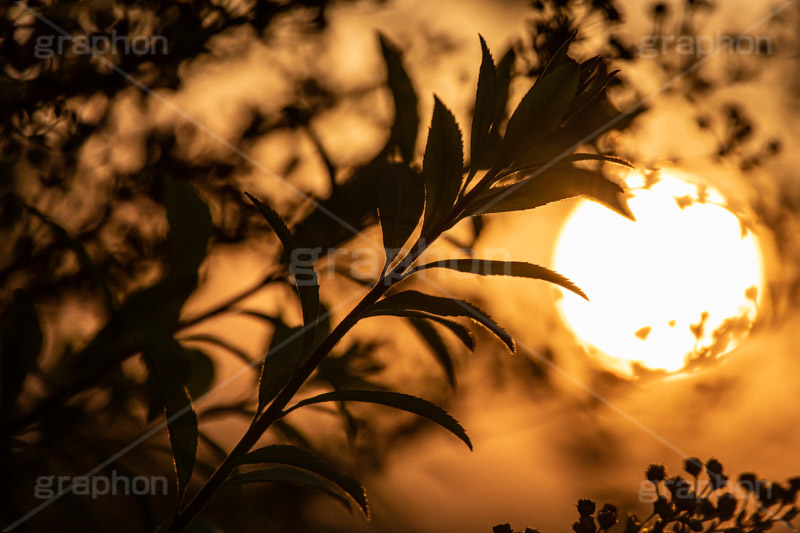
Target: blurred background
{"points": [[284, 99]]}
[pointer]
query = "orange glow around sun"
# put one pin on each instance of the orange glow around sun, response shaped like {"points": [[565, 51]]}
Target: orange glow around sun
{"points": [[684, 282]]}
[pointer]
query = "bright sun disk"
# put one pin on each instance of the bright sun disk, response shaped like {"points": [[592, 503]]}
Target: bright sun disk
{"points": [[683, 281]]}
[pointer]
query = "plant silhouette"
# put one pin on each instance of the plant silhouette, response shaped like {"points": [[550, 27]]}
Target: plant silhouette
{"points": [[707, 502], [530, 164]]}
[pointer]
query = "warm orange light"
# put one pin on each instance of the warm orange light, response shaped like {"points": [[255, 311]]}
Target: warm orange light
{"points": [[683, 281]]}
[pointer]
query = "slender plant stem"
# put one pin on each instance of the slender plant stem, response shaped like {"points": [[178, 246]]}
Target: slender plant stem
{"points": [[275, 409]]}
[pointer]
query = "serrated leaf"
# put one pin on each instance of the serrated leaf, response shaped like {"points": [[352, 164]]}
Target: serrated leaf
{"points": [[276, 223], [442, 166], [285, 353], [190, 227], [438, 348], [486, 267], [557, 183], [404, 402], [21, 346], [437, 305], [287, 474], [305, 276], [503, 75], [485, 111], [540, 112], [162, 356], [406, 115], [600, 157], [401, 200], [299, 458], [459, 330]]}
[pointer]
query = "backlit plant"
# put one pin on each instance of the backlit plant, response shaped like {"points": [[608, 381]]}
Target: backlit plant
{"points": [[521, 163]]}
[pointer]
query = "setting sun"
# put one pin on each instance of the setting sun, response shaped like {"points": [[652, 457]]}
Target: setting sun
{"points": [[682, 282]]}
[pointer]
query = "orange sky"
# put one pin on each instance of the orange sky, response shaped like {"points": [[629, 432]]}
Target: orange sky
{"points": [[538, 448]]}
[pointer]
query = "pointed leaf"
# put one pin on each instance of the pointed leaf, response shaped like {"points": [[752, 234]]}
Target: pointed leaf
{"points": [[401, 200], [557, 183], [459, 330], [406, 115], [193, 368], [437, 305], [438, 348], [287, 474], [540, 112], [162, 356], [304, 274], [285, 353], [276, 223], [560, 57], [21, 345], [503, 76], [299, 458], [190, 227], [600, 157], [442, 166], [486, 267], [484, 112], [404, 402]]}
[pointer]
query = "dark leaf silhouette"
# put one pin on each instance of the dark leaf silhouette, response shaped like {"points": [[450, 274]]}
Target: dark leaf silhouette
{"points": [[285, 352], [21, 345], [401, 200], [484, 113], [599, 157], [299, 458], [590, 114], [540, 112], [287, 474], [156, 309], [560, 56], [192, 368], [404, 402], [559, 182], [189, 227], [442, 166], [162, 356], [437, 305], [459, 330], [305, 276], [438, 348], [485, 267], [406, 116], [503, 75]]}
